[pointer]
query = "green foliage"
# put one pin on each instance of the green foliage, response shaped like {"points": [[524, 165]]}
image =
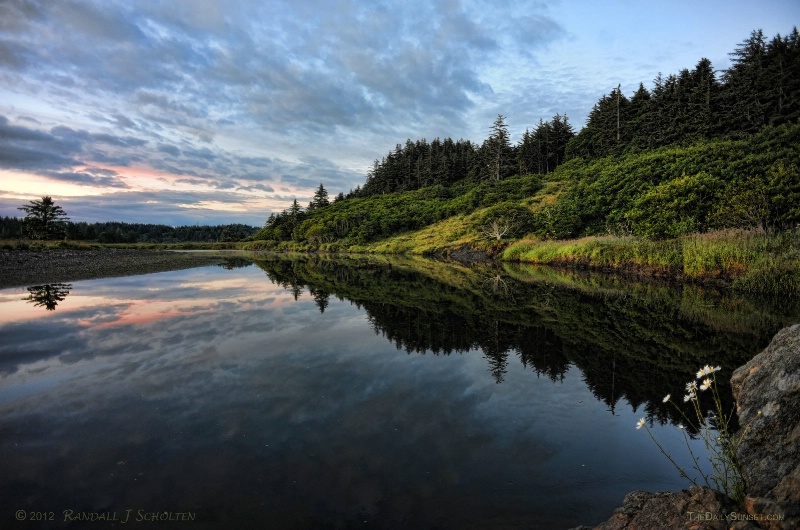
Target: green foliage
{"points": [[769, 200], [676, 207], [559, 221], [359, 221], [611, 192], [235, 232], [505, 220]]}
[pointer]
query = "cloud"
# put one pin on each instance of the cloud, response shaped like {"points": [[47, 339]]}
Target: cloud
{"points": [[297, 93], [169, 149], [57, 154], [298, 67], [260, 187], [119, 141], [89, 176], [23, 148]]}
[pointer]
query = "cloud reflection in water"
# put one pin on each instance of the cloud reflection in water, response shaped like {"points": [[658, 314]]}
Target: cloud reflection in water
{"points": [[216, 392]]}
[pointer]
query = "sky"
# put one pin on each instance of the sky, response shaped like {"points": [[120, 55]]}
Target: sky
{"points": [[188, 112]]}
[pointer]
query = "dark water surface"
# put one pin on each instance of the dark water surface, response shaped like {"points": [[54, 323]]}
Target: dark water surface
{"points": [[315, 393]]}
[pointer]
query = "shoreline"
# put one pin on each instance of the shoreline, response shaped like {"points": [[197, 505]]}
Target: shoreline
{"points": [[22, 268]]}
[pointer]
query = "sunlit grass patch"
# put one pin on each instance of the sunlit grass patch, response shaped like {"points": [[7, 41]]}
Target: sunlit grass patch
{"points": [[452, 232], [749, 260]]}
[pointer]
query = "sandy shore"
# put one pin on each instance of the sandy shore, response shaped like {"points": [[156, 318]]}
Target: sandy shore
{"points": [[25, 268]]}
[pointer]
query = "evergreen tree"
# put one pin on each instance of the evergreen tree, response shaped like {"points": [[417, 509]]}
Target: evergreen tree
{"points": [[501, 151], [703, 95], [561, 132], [602, 135], [746, 86], [544, 149], [320, 199], [640, 130], [44, 220], [782, 76]]}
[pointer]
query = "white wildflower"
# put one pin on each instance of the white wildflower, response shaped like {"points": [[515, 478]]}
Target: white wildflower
{"points": [[704, 371], [706, 384], [640, 424], [666, 398]]}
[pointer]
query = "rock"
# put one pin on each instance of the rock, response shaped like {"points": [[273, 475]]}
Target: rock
{"points": [[698, 508], [770, 450], [466, 254]]}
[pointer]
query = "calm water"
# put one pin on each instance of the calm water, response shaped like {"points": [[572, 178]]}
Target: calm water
{"points": [[321, 394]]}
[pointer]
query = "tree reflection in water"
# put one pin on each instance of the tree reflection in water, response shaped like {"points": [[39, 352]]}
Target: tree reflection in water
{"points": [[631, 341], [49, 295]]}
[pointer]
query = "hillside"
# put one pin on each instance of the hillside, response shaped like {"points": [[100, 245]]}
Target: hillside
{"points": [[712, 160], [745, 183]]}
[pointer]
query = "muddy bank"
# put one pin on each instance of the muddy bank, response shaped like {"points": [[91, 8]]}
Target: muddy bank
{"points": [[19, 268]]}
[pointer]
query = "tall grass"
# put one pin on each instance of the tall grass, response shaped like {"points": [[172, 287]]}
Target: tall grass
{"points": [[749, 260]]}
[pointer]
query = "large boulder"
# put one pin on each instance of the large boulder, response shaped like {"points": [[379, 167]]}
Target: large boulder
{"points": [[767, 393]]}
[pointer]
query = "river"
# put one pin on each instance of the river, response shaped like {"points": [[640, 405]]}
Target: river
{"points": [[313, 392]]}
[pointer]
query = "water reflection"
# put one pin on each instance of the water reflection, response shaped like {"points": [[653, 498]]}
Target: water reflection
{"points": [[632, 342], [353, 393], [48, 296]]}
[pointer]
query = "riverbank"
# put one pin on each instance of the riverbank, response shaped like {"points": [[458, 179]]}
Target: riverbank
{"points": [[25, 267], [746, 260]]}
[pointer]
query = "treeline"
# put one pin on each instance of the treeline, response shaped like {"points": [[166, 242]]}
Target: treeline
{"points": [[420, 164], [748, 182], [118, 232], [762, 87]]}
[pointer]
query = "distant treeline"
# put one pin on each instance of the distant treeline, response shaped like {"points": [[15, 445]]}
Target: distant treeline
{"points": [[116, 232], [762, 87]]}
